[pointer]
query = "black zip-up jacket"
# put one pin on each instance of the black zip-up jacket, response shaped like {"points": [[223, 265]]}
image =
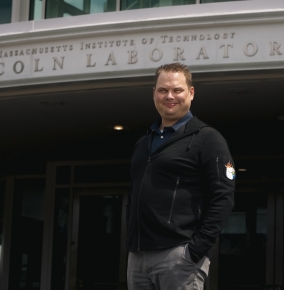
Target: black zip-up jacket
{"points": [[182, 193]]}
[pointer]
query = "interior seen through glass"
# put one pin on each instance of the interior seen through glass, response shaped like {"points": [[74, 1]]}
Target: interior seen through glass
{"points": [[243, 244], [99, 242]]}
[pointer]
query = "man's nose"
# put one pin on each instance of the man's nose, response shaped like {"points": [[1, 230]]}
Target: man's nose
{"points": [[170, 95]]}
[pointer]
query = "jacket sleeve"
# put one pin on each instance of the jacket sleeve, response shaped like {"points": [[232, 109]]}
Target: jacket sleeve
{"points": [[218, 173]]}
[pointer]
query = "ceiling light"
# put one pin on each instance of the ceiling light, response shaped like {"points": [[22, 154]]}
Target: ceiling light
{"points": [[118, 127], [242, 169]]}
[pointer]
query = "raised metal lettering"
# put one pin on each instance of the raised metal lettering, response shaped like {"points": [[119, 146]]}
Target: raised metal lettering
{"points": [[226, 49], [203, 53], [274, 47], [132, 57], [178, 54], [89, 56], [36, 66], [56, 61], [254, 49], [111, 58], [158, 57], [22, 66]]}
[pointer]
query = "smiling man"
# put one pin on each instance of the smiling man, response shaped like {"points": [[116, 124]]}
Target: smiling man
{"points": [[182, 191]]}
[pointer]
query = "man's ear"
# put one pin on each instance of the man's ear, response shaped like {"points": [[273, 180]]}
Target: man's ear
{"points": [[192, 92], [154, 88]]}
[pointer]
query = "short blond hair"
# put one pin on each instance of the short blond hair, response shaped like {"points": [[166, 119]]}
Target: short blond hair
{"points": [[175, 67]]}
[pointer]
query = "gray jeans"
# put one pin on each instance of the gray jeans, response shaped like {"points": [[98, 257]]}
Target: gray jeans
{"points": [[170, 269]]}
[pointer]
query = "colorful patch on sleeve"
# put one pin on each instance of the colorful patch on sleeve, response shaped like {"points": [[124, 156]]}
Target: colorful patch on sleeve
{"points": [[230, 171]]}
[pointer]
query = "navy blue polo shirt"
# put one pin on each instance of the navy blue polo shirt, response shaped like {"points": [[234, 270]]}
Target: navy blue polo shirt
{"points": [[160, 137]]}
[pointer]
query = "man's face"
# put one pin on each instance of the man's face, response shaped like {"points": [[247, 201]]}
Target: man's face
{"points": [[172, 97]]}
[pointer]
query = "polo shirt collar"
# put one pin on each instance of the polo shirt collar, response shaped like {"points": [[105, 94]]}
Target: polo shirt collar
{"points": [[156, 125]]}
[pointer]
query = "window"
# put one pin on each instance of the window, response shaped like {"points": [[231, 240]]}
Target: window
{"points": [[5, 11], [66, 8], [138, 4], [35, 9]]}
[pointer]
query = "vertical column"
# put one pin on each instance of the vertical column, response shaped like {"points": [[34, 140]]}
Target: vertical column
{"points": [[117, 5], [69, 259], [48, 228], [43, 7], [20, 10]]}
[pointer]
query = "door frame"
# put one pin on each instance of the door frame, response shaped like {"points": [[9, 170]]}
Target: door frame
{"points": [[51, 186], [73, 237]]}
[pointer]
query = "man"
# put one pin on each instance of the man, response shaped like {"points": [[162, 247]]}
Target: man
{"points": [[182, 191]]}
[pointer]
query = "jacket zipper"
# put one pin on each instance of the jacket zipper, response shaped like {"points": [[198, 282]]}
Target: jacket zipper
{"points": [[218, 170], [173, 201]]}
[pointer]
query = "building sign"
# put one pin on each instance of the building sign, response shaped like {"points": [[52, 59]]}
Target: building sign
{"points": [[136, 54]]}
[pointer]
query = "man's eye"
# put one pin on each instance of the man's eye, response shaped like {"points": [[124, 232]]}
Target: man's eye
{"points": [[162, 91]]}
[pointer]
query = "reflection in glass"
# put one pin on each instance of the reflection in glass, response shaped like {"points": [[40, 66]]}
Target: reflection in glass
{"points": [[5, 11], [138, 4], [79, 4], [236, 224], [35, 9], [27, 234], [61, 8]]}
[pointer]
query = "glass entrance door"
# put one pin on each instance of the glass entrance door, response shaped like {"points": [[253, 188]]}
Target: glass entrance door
{"points": [[98, 256], [243, 244]]}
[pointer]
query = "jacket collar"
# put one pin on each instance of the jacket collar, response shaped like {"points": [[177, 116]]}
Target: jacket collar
{"points": [[193, 126]]}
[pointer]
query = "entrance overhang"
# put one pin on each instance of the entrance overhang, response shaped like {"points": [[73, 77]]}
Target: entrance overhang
{"points": [[127, 44]]}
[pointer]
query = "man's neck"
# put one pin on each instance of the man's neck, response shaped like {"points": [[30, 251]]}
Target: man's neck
{"points": [[168, 123], [172, 122]]}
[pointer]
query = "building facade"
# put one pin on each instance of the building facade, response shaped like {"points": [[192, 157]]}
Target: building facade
{"points": [[76, 82]]}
